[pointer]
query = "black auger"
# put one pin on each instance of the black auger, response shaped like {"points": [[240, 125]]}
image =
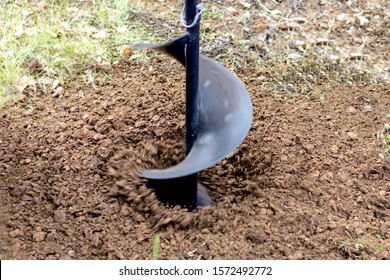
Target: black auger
{"points": [[218, 116]]}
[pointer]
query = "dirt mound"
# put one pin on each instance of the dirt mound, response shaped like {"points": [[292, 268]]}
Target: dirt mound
{"points": [[310, 181]]}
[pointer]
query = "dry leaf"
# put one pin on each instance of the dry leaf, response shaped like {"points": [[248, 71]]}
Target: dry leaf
{"points": [[126, 52]]}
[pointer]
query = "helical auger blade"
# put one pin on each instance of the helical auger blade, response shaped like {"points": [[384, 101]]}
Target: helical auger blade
{"points": [[225, 114]]}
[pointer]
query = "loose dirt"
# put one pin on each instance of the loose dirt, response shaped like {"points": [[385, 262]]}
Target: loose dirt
{"points": [[310, 181]]}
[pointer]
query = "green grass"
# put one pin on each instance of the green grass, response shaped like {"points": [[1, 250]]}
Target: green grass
{"points": [[156, 246], [385, 135], [55, 39], [357, 247]]}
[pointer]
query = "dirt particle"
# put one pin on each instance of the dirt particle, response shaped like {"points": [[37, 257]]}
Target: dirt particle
{"points": [[39, 236], [59, 216], [16, 233], [71, 253], [352, 135]]}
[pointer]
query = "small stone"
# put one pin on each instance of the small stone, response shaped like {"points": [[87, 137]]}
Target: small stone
{"points": [[39, 236], [15, 233], [138, 218], [158, 132], [351, 110], [342, 17], [21, 97], [98, 136], [263, 211], [363, 21], [71, 253], [316, 174], [59, 216], [155, 118], [334, 149], [96, 178], [205, 231], [103, 206], [352, 135], [56, 83], [58, 91], [85, 116], [18, 191], [126, 51], [51, 237]]}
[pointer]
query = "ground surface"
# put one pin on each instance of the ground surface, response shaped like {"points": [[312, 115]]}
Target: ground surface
{"points": [[310, 181]]}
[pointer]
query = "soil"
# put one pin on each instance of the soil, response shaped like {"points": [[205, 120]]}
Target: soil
{"points": [[310, 181]]}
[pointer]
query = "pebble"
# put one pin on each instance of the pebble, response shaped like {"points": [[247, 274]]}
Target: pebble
{"points": [[363, 21], [58, 91], [59, 216], [334, 149], [352, 135], [15, 233], [327, 176], [39, 236], [342, 17], [85, 116], [71, 253]]}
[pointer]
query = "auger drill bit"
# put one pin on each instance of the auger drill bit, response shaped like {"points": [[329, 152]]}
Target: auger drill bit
{"points": [[223, 115]]}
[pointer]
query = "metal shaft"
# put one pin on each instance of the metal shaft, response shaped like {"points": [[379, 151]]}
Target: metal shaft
{"points": [[192, 75], [192, 86]]}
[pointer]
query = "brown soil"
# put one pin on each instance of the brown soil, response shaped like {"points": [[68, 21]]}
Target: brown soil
{"points": [[307, 183]]}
